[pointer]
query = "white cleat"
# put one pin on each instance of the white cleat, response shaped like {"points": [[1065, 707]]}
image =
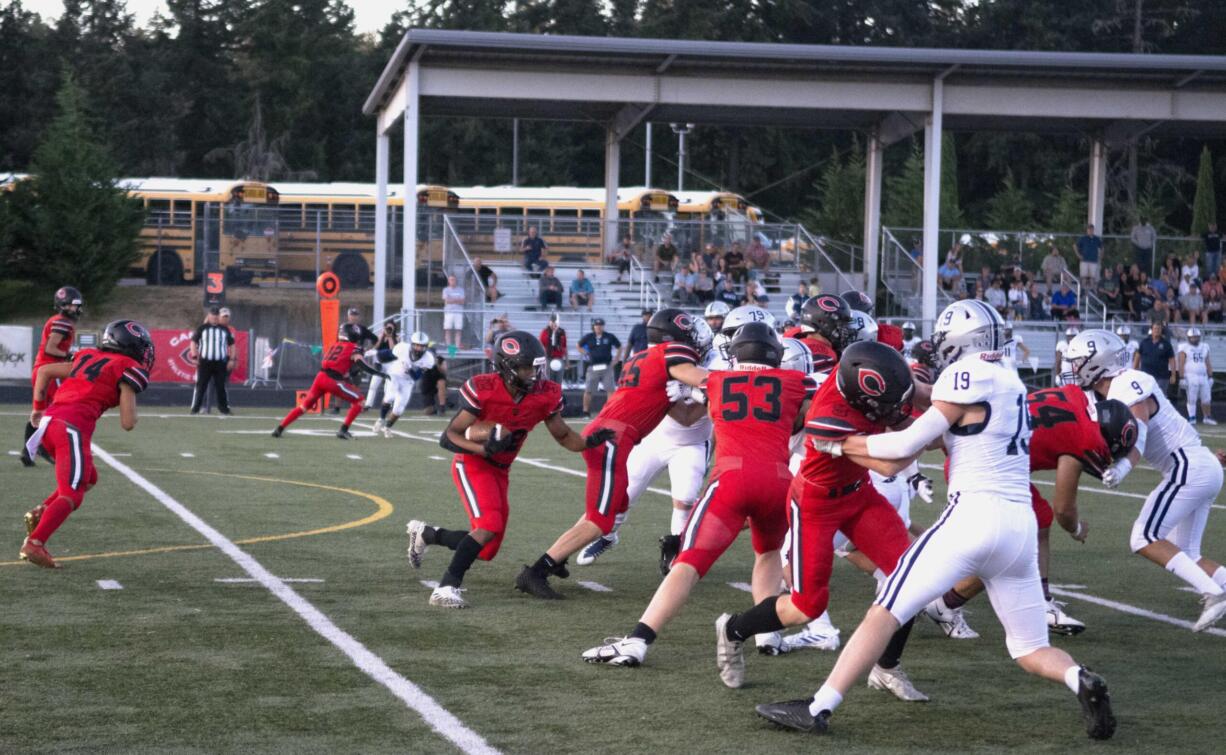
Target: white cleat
{"points": [[896, 682], [950, 620], [818, 634], [596, 549], [1210, 421], [448, 597], [618, 651], [1215, 608], [729, 655], [377, 426], [770, 643], [417, 543], [387, 431], [1059, 622]]}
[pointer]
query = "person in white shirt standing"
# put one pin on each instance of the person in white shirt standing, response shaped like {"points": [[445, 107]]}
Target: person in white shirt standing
{"points": [[1196, 369], [453, 312]]}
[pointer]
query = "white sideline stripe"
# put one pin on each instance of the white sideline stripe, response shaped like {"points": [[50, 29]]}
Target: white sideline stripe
{"points": [[435, 715], [439, 458], [430, 583], [246, 580], [109, 584], [742, 586], [353, 456], [1133, 610], [593, 586], [271, 455], [14, 453], [187, 455]]}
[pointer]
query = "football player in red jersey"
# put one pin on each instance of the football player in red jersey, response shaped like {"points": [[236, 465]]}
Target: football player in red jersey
{"points": [[826, 328], [55, 346], [754, 407], [95, 380], [343, 356], [678, 344], [1069, 436], [871, 390], [516, 397]]}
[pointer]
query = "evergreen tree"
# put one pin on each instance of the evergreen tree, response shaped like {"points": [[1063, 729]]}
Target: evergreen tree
{"points": [[27, 84], [904, 200], [840, 190], [1068, 210], [1010, 209], [72, 225], [1204, 204]]}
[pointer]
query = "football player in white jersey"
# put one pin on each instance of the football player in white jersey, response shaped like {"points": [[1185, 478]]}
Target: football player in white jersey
{"points": [[411, 362], [732, 323], [1125, 334], [979, 413], [1196, 369], [1169, 528], [714, 314], [1014, 345], [909, 340], [1058, 370]]}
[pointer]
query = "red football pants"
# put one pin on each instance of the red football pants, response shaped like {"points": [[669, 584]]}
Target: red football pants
{"points": [[731, 497], [483, 491], [607, 479], [865, 517], [326, 384]]}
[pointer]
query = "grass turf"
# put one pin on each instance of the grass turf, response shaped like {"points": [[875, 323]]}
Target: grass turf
{"points": [[176, 661]]}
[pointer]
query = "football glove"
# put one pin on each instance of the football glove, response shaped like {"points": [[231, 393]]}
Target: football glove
{"points": [[507, 442], [677, 391], [921, 486], [600, 437], [697, 396], [1116, 473], [832, 447]]}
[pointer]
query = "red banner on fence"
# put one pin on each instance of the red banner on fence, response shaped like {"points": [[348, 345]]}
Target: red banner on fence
{"points": [[174, 363]]}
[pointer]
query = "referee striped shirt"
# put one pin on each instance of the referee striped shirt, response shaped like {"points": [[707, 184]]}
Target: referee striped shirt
{"points": [[212, 341]]}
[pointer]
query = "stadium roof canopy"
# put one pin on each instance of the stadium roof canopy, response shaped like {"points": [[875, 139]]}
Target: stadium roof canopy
{"points": [[887, 92]]}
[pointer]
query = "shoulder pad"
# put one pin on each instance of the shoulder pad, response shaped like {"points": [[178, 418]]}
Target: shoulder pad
{"points": [[829, 428], [967, 381], [1132, 386]]}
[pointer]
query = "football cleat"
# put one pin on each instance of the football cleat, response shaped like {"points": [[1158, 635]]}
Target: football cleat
{"points": [[618, 651], [596, 549], [1060, 622], [1215, 608], [417, 542], [448, 597], [770, 643], [1095, 704], [532, 583], [950, 620], [36, 553], [729, 654], [344, 434], [277, 433], [819, 634], [378, 425], [33, 516], [670, 547], [794, 714], [560, 571], [896, 682], [1210, 421], [26, 461], [387, 431]]}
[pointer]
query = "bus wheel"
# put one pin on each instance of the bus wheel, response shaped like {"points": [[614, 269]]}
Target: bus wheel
{"points": [[352, 270], [164, 268]]}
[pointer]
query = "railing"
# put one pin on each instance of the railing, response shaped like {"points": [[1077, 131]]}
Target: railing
{"points": [[649, 295], [823, 264], [1089, 306], [456, 261], [903, 275]]}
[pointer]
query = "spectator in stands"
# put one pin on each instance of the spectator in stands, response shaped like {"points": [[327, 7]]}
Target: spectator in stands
{"points": [[499, 325], [1213, 250], [1063, 302], [621, 257], [1185, 286], [985, 277], [1019, 275], [1053, 268], [534, 247], [1109, 289], [1192, 305], [553, 338], [550, 293], [950, 274], [1213, 294], [600, 351], [1143, 300], [815, 288], [1037, 305], [1143, 238], [955, 255], [1173, 306], [1129, 282], [733, 263], [792, 307], [1160, 284], [1191, 268], [453, 312], [758, 256], [704, 284], [916, 251], [581, 292], [710, 259], [684, 281], [995, 296], [1157, 357], [1019, 302], [489, 279], [665, 258], [1089, 249], [637, 340], [755, 294], [727, 293]]}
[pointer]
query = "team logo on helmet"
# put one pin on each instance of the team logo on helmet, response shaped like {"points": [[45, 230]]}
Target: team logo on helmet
{"points": [[683, 321], [871, 381], [509, 346], [62, 293], [1128, 436], [829, 303], [136, 329]]}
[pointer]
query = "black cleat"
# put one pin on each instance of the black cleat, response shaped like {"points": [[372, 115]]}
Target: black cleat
{"points": [[536, 584], [344, 434], [560, 571], [670, 548], [1095, 704], [794, 714], [26, 461], [277, 433]]}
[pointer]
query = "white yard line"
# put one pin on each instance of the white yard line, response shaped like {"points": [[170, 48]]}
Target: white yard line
{"points": [[109, 584], [187, 455], [355, 457], [593, 586], [1133, 610], [429, 583], [742, 586], [435, 715], [249, 580], [272, 456]]}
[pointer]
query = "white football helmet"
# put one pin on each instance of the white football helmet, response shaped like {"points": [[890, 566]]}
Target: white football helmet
{"points": [[716, 309], [703, 337], [1093, 355], [967, 327], [1124, 332], [1193, 335], [864, 325], [796, 356], [1069, 332], [734, 319]]}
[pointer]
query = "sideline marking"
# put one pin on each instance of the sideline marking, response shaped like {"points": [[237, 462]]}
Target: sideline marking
{"points": [[593, 586], [271, 455], [245, 580], [109, 584], [742, 586], [1133, 610], [355, 457], [435, 715], [186, 455]]}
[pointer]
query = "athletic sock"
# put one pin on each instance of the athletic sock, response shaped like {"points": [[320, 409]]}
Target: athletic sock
{"points": [[30, 430], [1046, 591], [53, 516], [1182, 566], [1219, 576], [354, 410], [827, 698], [760, 619], [644, 633], [294, 414], [893, 651], [954, 600], [383, 410], [446, 538], [1072, 678], [544, 565], [680, 517], [391, 420], [466, 553]]}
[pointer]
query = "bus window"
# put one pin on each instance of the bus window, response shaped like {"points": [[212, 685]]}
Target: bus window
{"points": [[317, 216], [344, 217], [158, 212], [290, 216]]}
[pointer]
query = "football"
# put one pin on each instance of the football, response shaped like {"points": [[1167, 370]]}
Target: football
{"points": [[483, 431]]}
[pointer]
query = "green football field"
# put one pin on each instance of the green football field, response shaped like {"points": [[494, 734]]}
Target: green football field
{"points": [[187, 652]]}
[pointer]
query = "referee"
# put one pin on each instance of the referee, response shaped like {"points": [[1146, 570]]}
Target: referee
{"points": [[213, 350]]}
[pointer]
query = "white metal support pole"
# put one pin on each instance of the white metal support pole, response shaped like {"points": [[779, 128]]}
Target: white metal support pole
{"points": [[382, 146], [412, 113], [515, 152], [681, 160], [612, 166], [872, 211], [932, 202], [1098, 184], [647, 162]]}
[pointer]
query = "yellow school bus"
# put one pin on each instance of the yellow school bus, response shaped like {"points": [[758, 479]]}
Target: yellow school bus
{"points": [[713, 217]]}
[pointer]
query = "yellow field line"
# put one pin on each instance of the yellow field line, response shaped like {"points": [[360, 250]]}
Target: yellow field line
{"points": [[384, 510]]}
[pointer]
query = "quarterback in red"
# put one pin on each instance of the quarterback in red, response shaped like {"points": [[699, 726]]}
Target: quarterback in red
{"points": [[754, 408], [678, 344], [514, 398], [333, 379], [870, 391], [55, 346], [95, 380]]}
